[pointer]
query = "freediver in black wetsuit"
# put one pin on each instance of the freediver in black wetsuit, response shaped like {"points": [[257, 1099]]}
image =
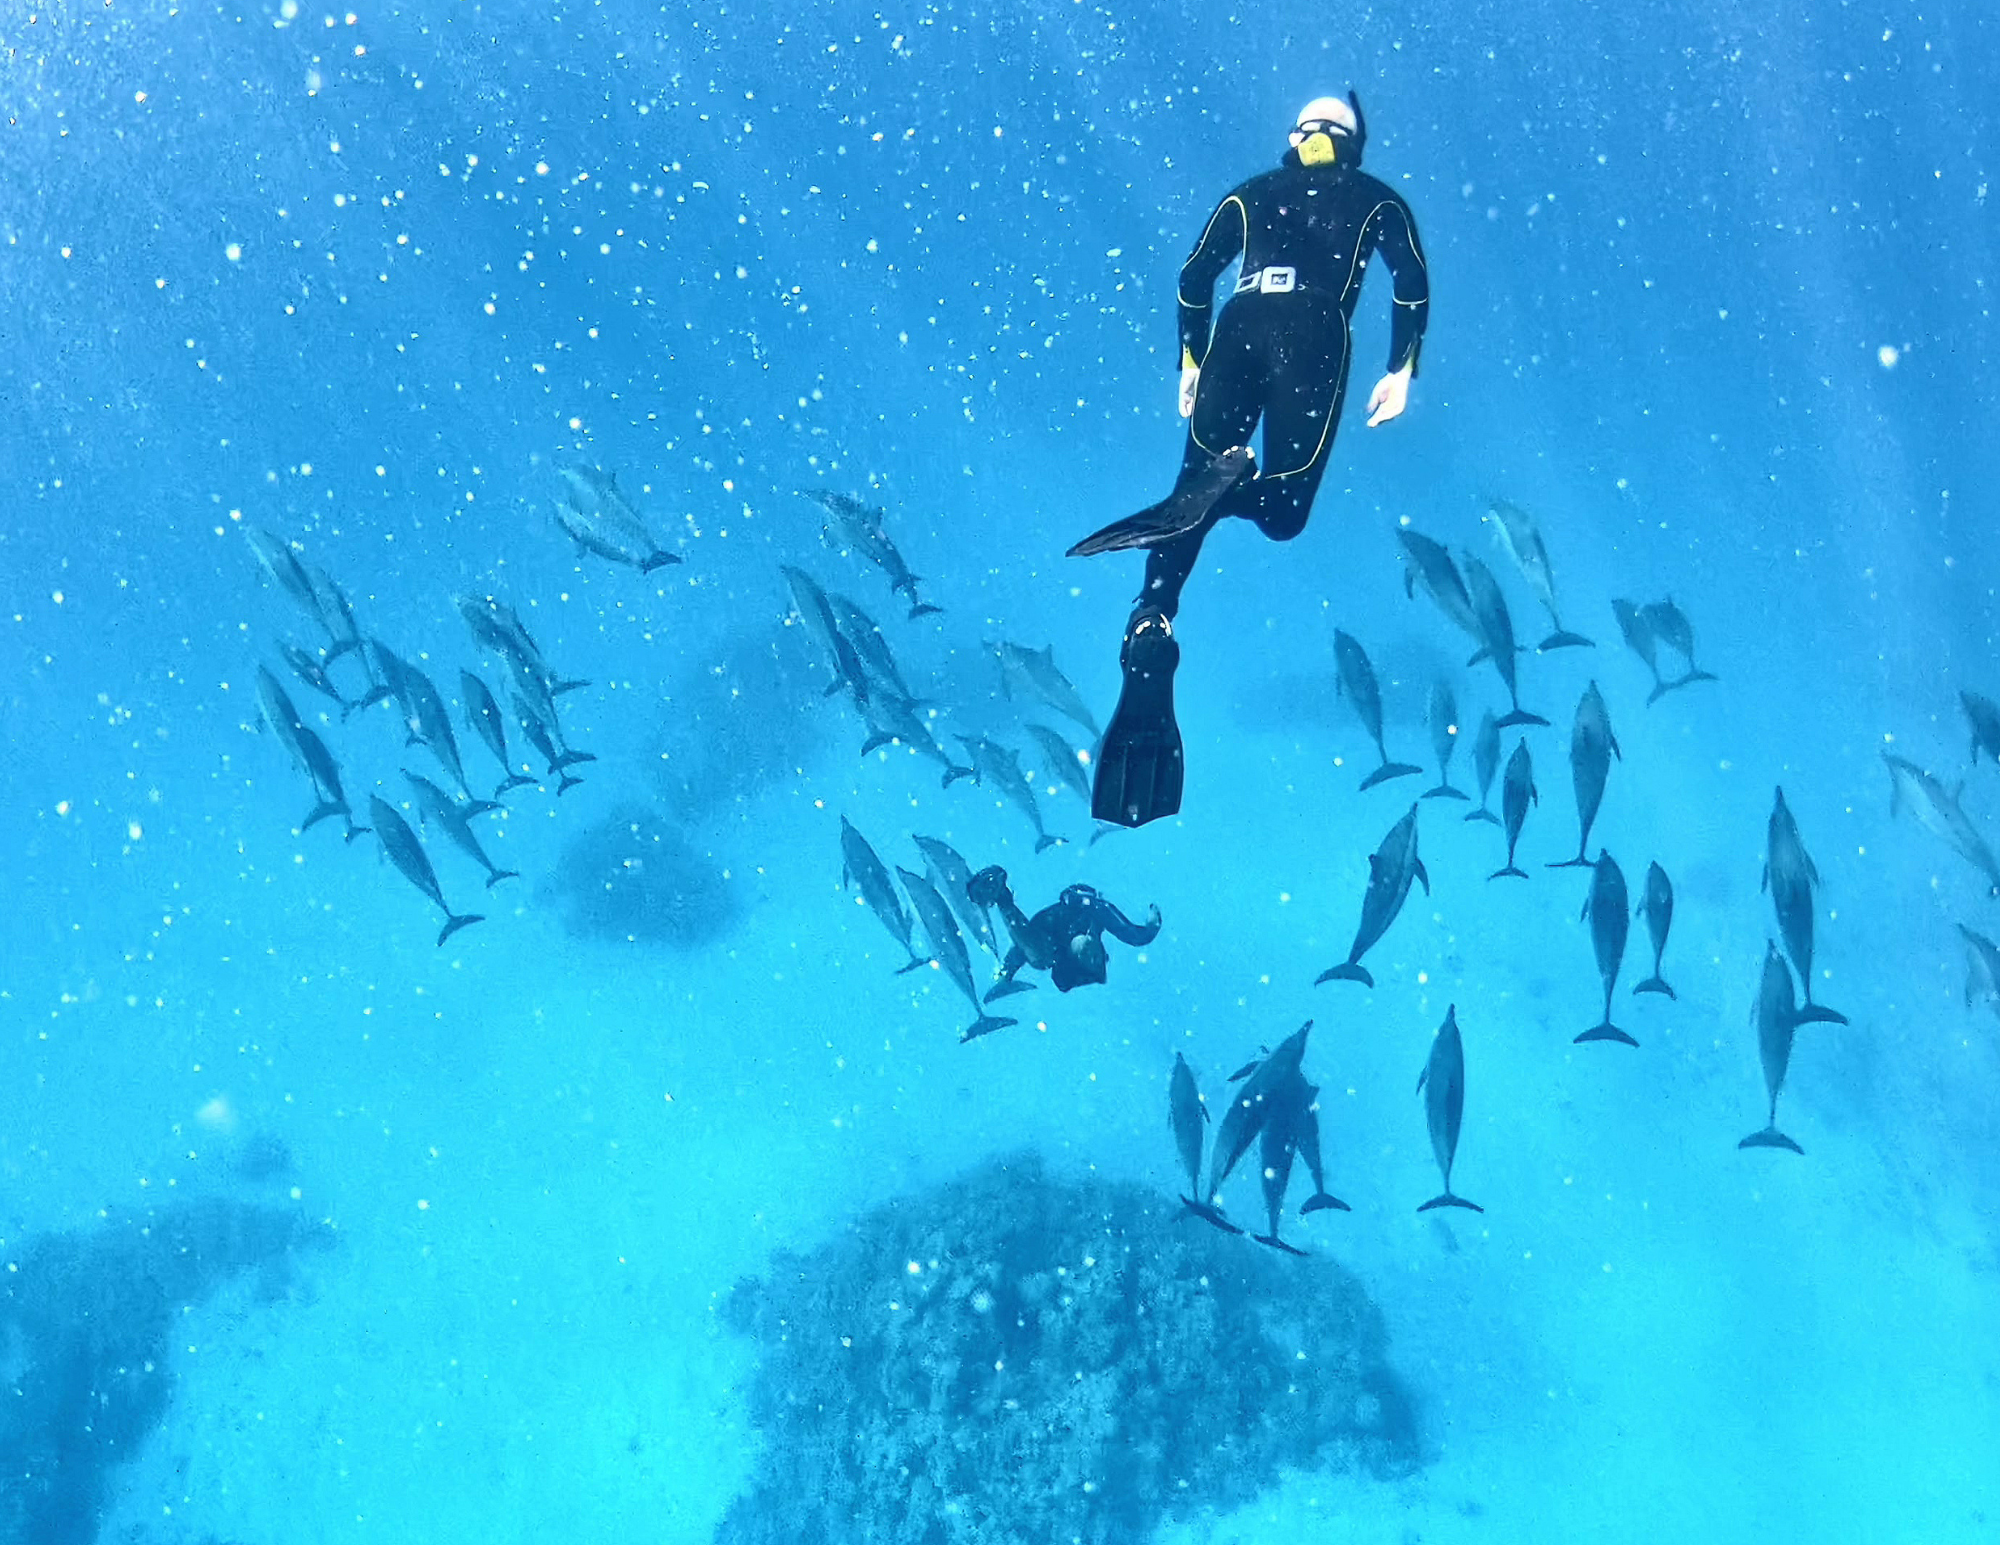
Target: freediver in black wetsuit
{"points": [[1063, 939], [1279, 352]]}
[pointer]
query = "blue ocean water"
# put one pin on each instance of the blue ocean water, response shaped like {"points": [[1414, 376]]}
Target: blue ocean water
{"points": [[315, 1229]]}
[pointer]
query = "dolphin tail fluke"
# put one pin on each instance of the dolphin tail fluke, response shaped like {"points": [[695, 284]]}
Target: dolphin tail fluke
{"points": [[1517, 873], [1449, 1200], [480, 806], [1446, 791], [1771, 1137], [1579, 862], [454, 923], [925, 609], [1819, 1014], [1562, 638], [1520, 716], [558, 688], [571, 758], [985, 1024], [1210, 1214], [1387, 771], [1321, 1201], [340, 647], [1659, 985], [567, 784], [1694, 675], [514, 781], [1479, 654], [1009, 989], [498, 875], [1482, 814], [1277, 1244], [953, 774], [321, 812], [659, 560], [354, 831], [368, 699], [917, 963], [1044, 842], [1346, 972], [1605, 1032]]}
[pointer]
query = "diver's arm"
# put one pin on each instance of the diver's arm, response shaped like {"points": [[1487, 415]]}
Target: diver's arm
{"points": [[1395, 233], [1220, 245], [1125, 931], [1395, 237]]}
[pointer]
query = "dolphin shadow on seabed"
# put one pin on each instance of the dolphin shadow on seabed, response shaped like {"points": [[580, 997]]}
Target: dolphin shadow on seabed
{"points": [[86, 1325]]}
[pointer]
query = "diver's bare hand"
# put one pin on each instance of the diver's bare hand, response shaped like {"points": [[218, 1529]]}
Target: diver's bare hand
{"points": [[1390, 397]]}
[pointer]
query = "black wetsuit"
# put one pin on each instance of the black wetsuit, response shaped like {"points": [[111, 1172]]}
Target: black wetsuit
{"points": [[1280, 348]]}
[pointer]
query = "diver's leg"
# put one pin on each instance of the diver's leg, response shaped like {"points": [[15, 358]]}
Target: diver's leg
{"points": [[1140, 761], [1216, 455], [1308, 383]]}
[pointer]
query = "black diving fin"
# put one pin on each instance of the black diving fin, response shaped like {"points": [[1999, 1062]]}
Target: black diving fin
{"points": [[1176, 515], [1139, 763]]}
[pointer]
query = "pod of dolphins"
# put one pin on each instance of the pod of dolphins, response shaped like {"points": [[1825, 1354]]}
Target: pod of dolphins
{"points": [[932, 913], [605, 526]]}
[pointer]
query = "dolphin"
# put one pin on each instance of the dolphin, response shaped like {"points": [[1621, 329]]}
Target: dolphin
{"points": [[1607, 907], [483, 716], [895, 720], [1516, 794], [595, 514], [1063, 759], [1443, 714], [433, 727], [407, 854], [948, 950], [1485, 762], [1791, 879], [1641, 640], [1442, 1084], [861, 866], [1671, 627], [1522, 538], [1290, 1103], [952, 876], [1391, 869], [307, 751], [1496, 631], [1321, 1198], [995, 761], [313, 673], [1591, 748], [863, 527], [1983, 714], [1034, 672], [1657, 908], [1355, 680], [544, 737], [1429, 562], [1938, 811], [1982, 968], [434, 805], [815, 612], [336, 612], [869, 642], [1775, 1017], [1186, 1113], [497, 626], [1250, 1106]]}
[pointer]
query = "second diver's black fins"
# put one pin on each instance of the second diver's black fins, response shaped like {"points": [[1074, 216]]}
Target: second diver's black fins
{"points": [[1183, 510], [1139, 763]]}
